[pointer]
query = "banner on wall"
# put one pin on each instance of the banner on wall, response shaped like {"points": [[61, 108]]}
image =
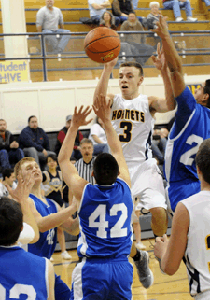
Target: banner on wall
{"points": [[13, 71], [192, 87]]}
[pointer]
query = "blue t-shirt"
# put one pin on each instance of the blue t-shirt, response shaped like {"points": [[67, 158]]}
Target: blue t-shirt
{"points": [[105, 221], [191, 127], [22, 274], [45, 246]]}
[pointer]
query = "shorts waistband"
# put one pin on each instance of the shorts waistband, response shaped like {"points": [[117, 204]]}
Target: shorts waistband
{"points": [[105, 259]]}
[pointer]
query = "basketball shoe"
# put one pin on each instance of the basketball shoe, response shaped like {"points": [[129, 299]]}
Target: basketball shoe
{"points": [[145, 274]]}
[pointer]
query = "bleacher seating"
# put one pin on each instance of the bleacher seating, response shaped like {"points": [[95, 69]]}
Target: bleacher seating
{"points": [[83, 68]]}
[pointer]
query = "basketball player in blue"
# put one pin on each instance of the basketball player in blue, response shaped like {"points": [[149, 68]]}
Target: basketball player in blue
{"points": [[191, 127], [22, 274], [48, 216], [190, 237], [104, 212]]}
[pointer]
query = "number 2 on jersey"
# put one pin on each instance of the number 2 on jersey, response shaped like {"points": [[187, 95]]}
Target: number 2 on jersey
{"points": [[17, 290], [186, 158], [100, 212], [127, 133]]}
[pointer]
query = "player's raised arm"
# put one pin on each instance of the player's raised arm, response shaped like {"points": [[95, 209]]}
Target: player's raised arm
{"points": [[158, 104], [172, 58], [104, 80], [103, 110], [70, 174]]}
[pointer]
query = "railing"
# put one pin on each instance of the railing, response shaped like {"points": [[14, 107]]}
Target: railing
{"points": [[46, 55]]}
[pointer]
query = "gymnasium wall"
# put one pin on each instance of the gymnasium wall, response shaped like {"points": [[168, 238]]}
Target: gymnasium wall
{"points": [[52, 101]]}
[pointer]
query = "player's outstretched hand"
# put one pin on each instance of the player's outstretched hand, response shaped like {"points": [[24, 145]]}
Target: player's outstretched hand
{"points": [[162, 27], [161, 244], [21, 193], [110, 65], [159, 60], [102, 108], [79, 117]]}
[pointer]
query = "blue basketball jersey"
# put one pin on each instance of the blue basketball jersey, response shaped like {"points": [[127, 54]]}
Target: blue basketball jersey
{"points": [[45, 246], [191, 127], [105, 221], [22, 273]]}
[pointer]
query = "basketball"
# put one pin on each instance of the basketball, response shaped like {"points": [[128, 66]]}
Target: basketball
{"points": [[102, 44]]}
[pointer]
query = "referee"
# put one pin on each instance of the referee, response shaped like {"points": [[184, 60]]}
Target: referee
{"points": [[84, 165]]}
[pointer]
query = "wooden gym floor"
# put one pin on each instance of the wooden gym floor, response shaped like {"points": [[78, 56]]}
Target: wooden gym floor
{"points": [[164, 288]]}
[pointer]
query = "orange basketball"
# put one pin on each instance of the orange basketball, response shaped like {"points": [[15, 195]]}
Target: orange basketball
{"points": [[102, 44]]}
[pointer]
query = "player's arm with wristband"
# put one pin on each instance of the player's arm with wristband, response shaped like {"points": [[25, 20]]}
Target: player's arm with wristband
{"points": [[103, 110], [172, 57]]}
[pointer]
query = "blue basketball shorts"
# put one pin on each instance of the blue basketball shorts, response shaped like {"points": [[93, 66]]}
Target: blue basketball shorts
{"points": [[102, 279], [179, 191], [62, 291]]}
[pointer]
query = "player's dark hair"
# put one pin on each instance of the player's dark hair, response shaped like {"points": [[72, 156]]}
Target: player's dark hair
{"points": [[29, 119], [206, 90], [53, 156], [133, 64], [7, 173], [11, 221], [105, 169], [202, 160]]}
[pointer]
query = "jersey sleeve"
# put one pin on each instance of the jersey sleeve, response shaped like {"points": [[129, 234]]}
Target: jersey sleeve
{"points": [[186, 104]]}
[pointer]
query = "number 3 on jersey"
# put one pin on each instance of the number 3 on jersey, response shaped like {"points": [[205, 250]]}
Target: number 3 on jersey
{"points": [[100, 212], [127, 133]]}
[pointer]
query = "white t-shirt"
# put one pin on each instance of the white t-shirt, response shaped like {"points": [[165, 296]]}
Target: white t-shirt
{"points": [[96, 129], [96, 12], [49, 20]]}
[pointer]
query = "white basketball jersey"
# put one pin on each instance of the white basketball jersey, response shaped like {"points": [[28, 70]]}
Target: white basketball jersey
{"points": [[134, 124], [197, 255]]}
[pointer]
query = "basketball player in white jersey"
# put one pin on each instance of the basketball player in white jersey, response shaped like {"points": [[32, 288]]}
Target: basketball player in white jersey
{"points": [[133, 119], [190, 235]]}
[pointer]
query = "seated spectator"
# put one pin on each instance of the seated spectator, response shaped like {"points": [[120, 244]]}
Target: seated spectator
{"points": [[8, 180], [108, 20], [153, 16], [176, 6], [53, 183], [48, 18], [97, 9], [35, 142], [122, 8], [158, 144], [98, 137], [61, 135], [10, 153], [134, 45], [132, 24]]}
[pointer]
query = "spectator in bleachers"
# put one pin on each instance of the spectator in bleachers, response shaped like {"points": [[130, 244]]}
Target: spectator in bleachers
{"points": [[98, 137], [108, 20], [154, 15], [10, 153], [48, 18], [97, 9], [8, 180], [134, 45], [176, 6], [35, 142], [61, 135], [132, 24], [122, 8]]}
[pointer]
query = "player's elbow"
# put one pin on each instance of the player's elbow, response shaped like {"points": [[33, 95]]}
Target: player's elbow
{"points": [[168, 269]]}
